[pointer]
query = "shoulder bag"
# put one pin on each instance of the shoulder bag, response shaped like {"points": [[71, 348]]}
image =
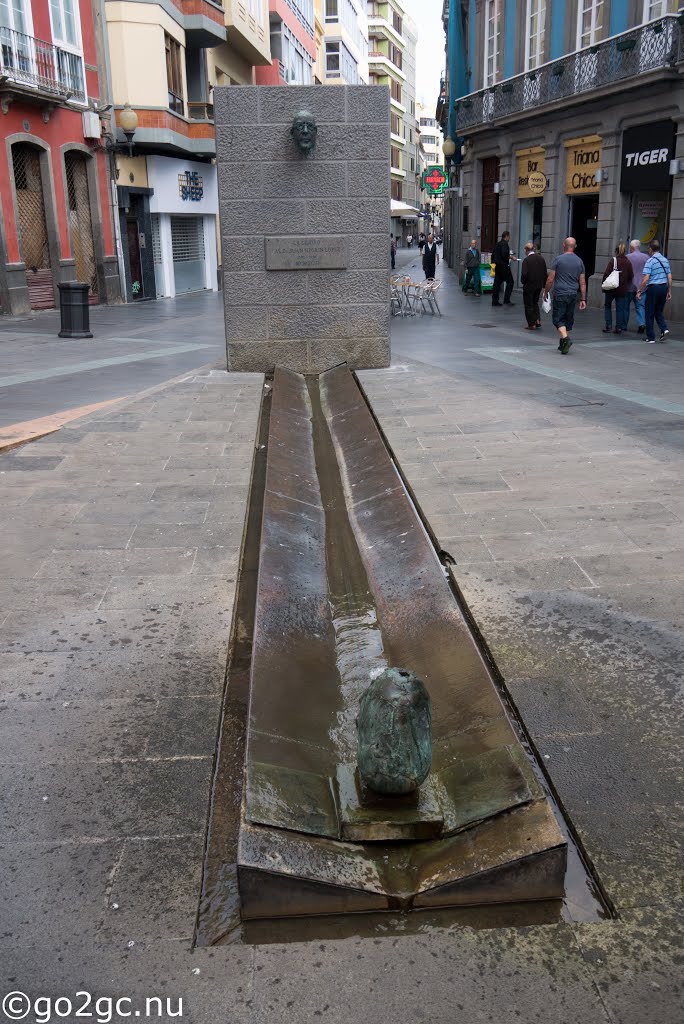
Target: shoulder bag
{"points": [[613, 280]]}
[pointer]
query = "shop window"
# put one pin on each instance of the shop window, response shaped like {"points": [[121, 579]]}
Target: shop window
{"points": [[174, 76]]}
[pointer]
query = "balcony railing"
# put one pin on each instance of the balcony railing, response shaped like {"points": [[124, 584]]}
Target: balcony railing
{"points": [[32, 62], [656, 46]]}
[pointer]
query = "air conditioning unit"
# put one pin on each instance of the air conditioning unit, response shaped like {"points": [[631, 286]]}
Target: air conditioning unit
{"points": [[92, 126]]}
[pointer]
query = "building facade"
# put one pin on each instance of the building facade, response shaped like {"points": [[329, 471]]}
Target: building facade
{"points": [[166, 59], [386, 45], [345, 43], [431, 156], [292, 27], [571, 122], [55, 221], [411, 191]]}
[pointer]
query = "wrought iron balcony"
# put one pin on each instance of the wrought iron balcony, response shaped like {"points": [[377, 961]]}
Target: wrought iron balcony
{"points": [[659, 45], [34, 64]]}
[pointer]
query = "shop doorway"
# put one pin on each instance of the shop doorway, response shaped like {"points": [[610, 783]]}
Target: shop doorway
{"points": [[134, 259], [583, 227], [28, 184], [187, 242], [80, 221], [490, 205], [530, 227]]}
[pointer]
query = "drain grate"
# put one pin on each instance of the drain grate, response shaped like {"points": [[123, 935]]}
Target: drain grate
{"points": [[483, 325]]}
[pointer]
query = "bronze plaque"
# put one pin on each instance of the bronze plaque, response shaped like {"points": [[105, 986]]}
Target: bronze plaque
{"points": [[306, 252]]}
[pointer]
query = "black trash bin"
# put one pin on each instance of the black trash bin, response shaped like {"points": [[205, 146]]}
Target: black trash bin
{"points": [[74, 310]]}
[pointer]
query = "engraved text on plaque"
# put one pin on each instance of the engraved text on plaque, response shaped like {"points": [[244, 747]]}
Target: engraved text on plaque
{"points": [[306, 252]]}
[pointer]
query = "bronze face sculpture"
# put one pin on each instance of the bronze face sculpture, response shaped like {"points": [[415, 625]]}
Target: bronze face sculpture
{"points": [[304, 131], [394, 730]]}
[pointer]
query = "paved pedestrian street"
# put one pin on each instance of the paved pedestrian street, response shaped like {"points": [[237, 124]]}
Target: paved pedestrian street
{"points": [[554, 484]]}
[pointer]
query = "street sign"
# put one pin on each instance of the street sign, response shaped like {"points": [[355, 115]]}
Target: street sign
{"points": [[434, 180]]}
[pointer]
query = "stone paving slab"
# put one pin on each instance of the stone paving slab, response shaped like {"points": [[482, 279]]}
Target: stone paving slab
{"points": [[99, 884]]}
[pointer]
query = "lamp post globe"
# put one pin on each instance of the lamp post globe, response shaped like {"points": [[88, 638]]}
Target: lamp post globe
{"points": [[128, 122], [448, 147]]}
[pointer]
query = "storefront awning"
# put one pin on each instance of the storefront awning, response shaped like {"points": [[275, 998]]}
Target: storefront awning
{"points": [[403, 211]]}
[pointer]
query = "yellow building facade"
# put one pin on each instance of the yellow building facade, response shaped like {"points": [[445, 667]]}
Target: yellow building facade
{"points": [[386, 46], [165, 60]]}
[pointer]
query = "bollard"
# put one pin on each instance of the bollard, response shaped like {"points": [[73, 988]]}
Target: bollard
{"points": [[74, 310]]}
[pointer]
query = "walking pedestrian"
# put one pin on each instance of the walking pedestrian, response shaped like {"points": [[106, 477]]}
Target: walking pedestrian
{"points": [[533, 279], [430, 258], [657, 285], [638, 260], [393, 252], [620, 294], [472, 269], [421, 240], [409, 240], [501, 258], [567, 276]]}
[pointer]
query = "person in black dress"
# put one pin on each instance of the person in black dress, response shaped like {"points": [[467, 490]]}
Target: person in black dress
{"points": [[430, 258]]}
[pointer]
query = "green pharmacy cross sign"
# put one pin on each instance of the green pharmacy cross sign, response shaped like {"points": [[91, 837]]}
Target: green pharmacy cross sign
{"points": [[434, 180]]}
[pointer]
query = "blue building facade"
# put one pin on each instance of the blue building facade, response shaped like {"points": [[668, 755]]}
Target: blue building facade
{"points": [[568, 118]]}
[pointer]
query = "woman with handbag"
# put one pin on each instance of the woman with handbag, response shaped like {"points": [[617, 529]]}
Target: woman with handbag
{"points": [[617, 278]]}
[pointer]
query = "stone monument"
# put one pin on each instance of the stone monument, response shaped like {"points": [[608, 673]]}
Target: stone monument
{"points": [[304, 190]]}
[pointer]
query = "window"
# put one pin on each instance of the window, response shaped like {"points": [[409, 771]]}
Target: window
{"points": [[492, 42], [64, 19], [395, 55], [654, 9], [396, 22], [332, 60], [395, 91], [12, 16], [174, 76], [536, 34], [395, 124], [395, 157], [296, 66], [466, 218], [305, 13], [345, 13], [256, 9], [339, 63], [397, 190], [589, 22]]}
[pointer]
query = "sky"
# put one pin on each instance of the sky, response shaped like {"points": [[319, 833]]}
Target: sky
{"points": [[431, 57]]}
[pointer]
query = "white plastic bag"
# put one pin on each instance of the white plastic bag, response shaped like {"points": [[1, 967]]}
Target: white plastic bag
{"points": [[546, 304]]}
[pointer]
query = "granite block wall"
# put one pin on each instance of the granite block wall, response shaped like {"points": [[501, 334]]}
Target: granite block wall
{"points": [[306, 318]]}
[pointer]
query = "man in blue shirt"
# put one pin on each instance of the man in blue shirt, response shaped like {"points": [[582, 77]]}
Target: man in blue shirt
{"points": [[657, 287]]}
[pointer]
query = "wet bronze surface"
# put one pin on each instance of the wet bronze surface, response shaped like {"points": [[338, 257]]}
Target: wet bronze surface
{"points": [[349, 584]]}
